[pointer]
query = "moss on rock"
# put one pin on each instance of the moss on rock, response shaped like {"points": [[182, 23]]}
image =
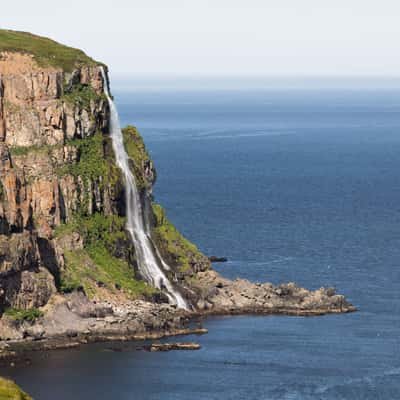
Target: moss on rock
{"points": [[82, 96], [136, 150], [25, 150], [91, 163], [10, 391], [179, 251], [94, 166]]}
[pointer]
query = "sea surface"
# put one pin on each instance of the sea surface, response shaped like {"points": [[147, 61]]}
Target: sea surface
{"points": [[299, 186]]}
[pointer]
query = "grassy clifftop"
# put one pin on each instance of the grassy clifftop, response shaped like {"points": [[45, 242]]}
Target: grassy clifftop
{"points": [[46, 52]]}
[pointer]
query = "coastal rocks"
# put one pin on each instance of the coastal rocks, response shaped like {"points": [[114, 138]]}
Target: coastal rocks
{"points": [[157, 347], [223, 296], [215, 259], [75, 316]]}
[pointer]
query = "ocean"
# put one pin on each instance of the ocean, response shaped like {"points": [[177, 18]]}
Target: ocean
{"points": [[289, 185]]}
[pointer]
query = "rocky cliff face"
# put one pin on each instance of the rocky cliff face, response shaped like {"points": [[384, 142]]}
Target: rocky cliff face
{"points": [[62, 207], [66, 260]]}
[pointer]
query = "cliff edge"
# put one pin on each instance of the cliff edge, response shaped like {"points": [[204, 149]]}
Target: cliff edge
{"points": [[67, 265]]}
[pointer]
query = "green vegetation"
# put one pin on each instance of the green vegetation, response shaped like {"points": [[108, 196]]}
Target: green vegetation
{"points": [[136, 150], [95, 229], [92, 164], [171, 242], [25, 150], [82, 95], [102, 235], [10, 391], [46, 52], [23, 315], [92, 161]]}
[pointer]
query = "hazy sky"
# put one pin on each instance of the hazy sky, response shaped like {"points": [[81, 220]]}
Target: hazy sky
{"points": [[222, 37]]}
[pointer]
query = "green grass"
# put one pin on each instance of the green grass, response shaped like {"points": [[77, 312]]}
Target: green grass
{"points": [[117, 271], [46, 52], [10, 391], [85, 268], [171, 242], [97, 228], [102, 235], [92, 164], [136, 150], [25, 150], [82, 95], [23, 315]]}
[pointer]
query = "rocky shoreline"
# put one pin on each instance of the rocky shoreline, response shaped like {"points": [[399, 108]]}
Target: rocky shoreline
{"points": [[74, 320]]}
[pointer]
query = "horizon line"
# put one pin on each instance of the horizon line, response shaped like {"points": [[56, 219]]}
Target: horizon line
{"points": [[281, 82]]}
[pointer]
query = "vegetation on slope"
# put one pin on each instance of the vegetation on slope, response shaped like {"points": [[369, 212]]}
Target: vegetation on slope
{"points": [[46, 52], [92, 163], [136, 150], [30, 314], [176, 248], [102, 262], [25, 150], [81, 96], [10, 391]]}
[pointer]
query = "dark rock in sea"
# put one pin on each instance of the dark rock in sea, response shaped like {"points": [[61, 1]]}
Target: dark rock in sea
{"points": [[215, 259], [172, 346]]}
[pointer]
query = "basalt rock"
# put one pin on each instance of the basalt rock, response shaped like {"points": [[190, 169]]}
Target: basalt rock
{"points": [[224, 296], [155, 347]]}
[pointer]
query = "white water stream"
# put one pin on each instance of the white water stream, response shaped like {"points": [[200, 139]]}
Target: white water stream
{"points": [[148, 257]]}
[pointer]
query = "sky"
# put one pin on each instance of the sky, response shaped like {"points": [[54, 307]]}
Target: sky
{"points": [[230, 38]]}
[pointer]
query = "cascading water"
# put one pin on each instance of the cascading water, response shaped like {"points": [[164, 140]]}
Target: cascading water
{"points": [[148, 256]]}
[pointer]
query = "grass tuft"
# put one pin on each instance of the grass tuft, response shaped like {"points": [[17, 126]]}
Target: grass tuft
{"points": [[23, 315]]}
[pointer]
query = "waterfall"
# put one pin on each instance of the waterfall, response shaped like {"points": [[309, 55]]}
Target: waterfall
{"points": [[148, 257]]}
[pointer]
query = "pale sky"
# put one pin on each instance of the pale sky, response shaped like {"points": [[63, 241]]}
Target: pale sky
{"points": [[222, 37]]}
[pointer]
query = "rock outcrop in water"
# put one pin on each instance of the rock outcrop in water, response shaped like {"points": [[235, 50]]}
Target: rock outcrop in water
{"points": [[68, 266]]}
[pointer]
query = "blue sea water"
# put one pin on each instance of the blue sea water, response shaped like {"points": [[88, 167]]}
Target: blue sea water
{"points": [[297, 186]]}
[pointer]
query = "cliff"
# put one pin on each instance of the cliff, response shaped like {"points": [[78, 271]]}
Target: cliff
{"points": [[66, 260], [62, 208]]}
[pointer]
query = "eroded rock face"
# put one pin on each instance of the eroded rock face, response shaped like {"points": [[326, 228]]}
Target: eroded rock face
{"points": [[24, 282], [35, 106], [41, 111]]}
